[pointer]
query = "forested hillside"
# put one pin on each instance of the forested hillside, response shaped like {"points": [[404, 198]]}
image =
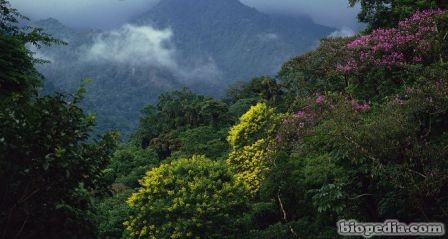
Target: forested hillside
{"points": [[354, 129], [205, 45]]}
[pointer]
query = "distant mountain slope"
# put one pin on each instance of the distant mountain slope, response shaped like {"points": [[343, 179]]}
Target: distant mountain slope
{"points": [[243, 42], [117, 91], [201, 44]]}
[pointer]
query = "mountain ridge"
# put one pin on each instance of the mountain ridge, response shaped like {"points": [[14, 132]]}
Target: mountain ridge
{"points": [[225, 18], [224, 41]]}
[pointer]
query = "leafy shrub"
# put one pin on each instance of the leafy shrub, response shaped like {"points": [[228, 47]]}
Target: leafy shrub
{"points": [[188, 198]]}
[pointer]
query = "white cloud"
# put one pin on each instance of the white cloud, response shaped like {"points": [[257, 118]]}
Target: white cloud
{"points": [[201, 70], [145, 46], [343, 32], [135, 45]]}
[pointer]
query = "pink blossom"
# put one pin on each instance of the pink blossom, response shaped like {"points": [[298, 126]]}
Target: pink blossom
{"points": [[408, 43], [300, 114], [320, 99], [349, 66]]}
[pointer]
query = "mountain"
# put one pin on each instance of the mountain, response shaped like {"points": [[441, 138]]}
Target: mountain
{"points": [[202, 44], [243, 42], [116, 92]]}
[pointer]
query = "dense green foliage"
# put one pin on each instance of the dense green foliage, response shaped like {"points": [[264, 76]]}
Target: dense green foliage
{"points": [[17, 72], [49, 169], [128, 164], [355, 129], [182, 116], [188, 198], [343, 136], [387, 13]]}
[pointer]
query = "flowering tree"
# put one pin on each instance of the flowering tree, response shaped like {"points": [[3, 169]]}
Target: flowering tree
{"points": [[387, 13], [250, 140], [188, 198], [412, 42]]}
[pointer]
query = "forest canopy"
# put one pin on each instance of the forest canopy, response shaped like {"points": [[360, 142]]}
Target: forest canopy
{"points": [[354, 129]]}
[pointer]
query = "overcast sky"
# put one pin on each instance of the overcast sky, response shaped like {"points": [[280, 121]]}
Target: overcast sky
{"points": [[113, 13]]}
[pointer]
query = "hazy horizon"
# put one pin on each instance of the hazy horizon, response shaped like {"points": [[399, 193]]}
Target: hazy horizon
{"points": [[109, 14]]}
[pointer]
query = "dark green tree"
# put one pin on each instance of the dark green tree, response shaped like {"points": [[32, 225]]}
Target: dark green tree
{"points": [[128, 165], [387, 13], [17, 72], [204, 140], [176, 112], [50, 168]]}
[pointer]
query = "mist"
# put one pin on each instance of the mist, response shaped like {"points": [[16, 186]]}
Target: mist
{"points": [[107, 14], [134, 45], [145, 46]]}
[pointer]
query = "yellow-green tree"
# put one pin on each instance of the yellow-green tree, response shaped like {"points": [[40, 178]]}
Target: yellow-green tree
{"points": [[188, 198], [250, 140]]}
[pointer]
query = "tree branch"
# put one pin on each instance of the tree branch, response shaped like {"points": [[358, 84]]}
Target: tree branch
{"points": [[285, 218]]}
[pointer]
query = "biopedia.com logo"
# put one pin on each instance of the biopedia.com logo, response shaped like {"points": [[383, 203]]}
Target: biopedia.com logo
{"points": [[389, 228]]}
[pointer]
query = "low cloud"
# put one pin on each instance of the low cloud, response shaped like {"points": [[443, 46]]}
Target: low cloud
{"points": [[200, 70], [134, 45], [145, 46], [343, 32]]}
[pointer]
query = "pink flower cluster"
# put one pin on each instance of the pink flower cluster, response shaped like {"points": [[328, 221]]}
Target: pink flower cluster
{"points": [[347, 67], [409, 43], [320, 99], [422, 18], [299, 118], [360, 107], [300, 115]]}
